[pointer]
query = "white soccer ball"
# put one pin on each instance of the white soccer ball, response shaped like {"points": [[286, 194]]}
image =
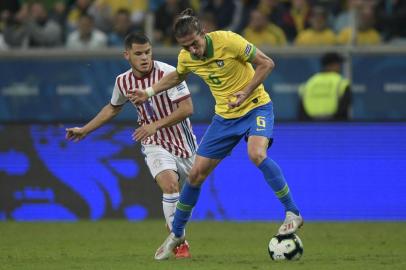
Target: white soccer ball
{"points": [[285, 247]]}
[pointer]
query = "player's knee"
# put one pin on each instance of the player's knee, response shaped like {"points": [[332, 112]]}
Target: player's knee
{"points": [[196, 177], [170, 187], [256, 155]]}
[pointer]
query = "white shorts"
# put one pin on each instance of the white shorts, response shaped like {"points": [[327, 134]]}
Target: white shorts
{"points": [[158, 160]]}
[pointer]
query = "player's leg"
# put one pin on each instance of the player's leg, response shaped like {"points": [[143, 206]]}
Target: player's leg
{"points": [[217, 142], [168, 181], [184, 166], [187, 200], [257, 147], [202, 167], [163, 168], [259, 136]]}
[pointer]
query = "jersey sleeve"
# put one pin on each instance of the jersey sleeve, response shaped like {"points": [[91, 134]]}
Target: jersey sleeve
{"points": [[240, 47], [179, 92], [181, 68], [118, 97]]}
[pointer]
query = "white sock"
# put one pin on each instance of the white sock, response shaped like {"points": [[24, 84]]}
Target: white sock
{"points": [[169, 202]]}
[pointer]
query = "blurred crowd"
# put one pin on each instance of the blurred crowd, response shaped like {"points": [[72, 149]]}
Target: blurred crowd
{"points": [[96, 24]]}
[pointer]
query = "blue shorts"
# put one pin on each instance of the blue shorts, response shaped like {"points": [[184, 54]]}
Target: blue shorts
{"points": [[223, 134]]}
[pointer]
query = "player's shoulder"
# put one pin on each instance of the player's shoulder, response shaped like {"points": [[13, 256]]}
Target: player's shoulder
{"points": [[222, 35], [165, 67], [183, 55]]}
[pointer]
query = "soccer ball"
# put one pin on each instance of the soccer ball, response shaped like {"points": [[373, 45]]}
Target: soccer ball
{"points": [[285, 247]]}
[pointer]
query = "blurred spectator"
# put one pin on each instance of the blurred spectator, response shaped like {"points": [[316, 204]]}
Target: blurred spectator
{"points": [[263, 33], [391, 19], [86, 36], [164, 18], [31, 27], [59, 14], [366, 33], [77, 9], [326, 95], [104, 11], [296, 18], [346, 17], [121, 28], [208, 21], [319, 33], [273, 10], [228, 12], [247, 7]]}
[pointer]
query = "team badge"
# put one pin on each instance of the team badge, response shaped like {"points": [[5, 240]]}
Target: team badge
{"points": [[220, 63], [247, 50]]}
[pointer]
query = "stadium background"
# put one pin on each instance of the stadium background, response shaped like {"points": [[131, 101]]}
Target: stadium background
{"points": [[338, 171]]}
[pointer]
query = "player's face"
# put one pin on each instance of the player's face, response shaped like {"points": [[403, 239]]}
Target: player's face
{"points": [[193, 43], [140, 58]]}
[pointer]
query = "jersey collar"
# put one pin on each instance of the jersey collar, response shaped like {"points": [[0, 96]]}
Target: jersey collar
{"points": [[209, 49]]}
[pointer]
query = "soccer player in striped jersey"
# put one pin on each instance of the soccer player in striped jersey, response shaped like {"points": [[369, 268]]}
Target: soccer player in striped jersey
{"points": [[164, 131], [243, 109]]}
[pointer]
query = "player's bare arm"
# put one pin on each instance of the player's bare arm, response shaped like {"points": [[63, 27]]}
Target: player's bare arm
{"points": [[184, 110], [263, 67], [140, 96], [79, 133]]}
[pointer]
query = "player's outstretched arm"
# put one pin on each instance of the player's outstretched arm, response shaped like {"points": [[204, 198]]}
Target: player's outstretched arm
{"points": [[263, 66], [140, 96], [79, 133], [184, 110]]}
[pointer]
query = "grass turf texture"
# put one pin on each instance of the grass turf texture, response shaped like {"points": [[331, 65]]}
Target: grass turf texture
{"points": [[214, 245]]}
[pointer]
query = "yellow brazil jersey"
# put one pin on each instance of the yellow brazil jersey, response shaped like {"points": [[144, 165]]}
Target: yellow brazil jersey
{"points": [[226, 69]]}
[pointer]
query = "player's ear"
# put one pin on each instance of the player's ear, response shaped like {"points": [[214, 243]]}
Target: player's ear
{"points": [[126, 55]]}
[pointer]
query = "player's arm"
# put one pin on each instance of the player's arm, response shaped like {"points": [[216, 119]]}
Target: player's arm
{"points": [[168, 81], [263, 66], [184, 110], [78, 133]]}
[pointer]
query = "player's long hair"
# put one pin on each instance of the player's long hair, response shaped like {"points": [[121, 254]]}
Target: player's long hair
{"points": [[186, 23]]}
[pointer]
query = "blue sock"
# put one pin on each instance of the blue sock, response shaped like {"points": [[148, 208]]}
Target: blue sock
{"points": [[187, 200], [274, 177]]}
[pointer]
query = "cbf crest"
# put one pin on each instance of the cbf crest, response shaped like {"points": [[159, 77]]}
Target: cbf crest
{"points": [[220, 63]]}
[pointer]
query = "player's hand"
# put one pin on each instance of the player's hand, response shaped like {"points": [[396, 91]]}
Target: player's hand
{"points": [[144, 132], [137, 97], [76, 134], [237, 99]]}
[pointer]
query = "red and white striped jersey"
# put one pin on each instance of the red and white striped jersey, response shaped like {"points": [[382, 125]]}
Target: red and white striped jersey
{"points": [[178, 139]]}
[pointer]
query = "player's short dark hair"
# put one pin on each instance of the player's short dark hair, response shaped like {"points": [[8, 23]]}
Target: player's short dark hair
{"points": [[331, 58], [186, 23], [137, 38]]}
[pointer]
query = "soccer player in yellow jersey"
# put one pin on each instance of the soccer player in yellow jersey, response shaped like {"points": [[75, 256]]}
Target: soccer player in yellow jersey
{"points": [[243, 109]]}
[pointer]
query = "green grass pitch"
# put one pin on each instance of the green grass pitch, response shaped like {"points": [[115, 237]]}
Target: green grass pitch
{"points": [[215, 245]]}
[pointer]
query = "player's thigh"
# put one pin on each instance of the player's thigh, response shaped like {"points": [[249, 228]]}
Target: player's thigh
{"points": [[220, 138], [261, 121], [184, 166], [161, 163]]}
